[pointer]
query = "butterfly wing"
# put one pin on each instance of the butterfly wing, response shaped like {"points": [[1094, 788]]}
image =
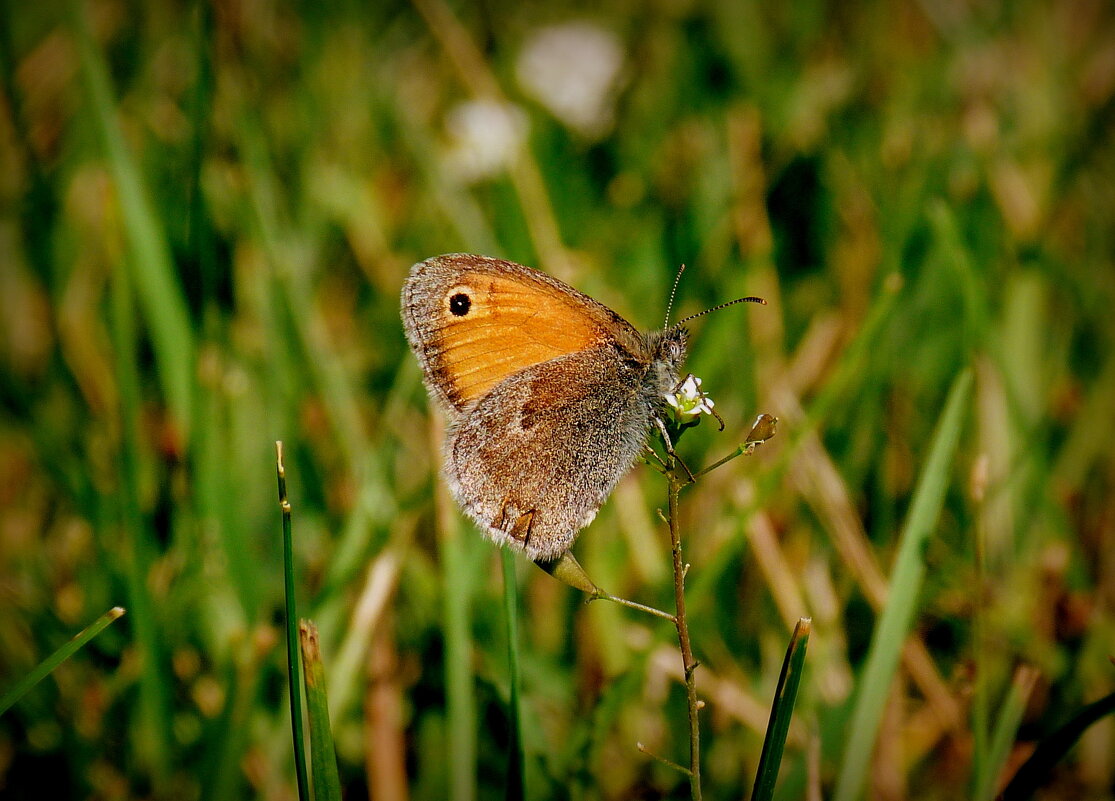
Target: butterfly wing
{"points": [[473, 321], [533, 460]]}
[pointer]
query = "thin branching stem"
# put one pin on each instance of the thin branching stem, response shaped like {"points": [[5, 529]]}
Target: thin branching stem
{"points": [[650, 610], [740, 451], [689, 664], [667, 762]]}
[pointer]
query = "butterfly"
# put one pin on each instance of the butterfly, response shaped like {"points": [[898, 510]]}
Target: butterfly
{"points": [[549, 394]]}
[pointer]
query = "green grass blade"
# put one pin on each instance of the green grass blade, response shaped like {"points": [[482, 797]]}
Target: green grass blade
{"points": [[852, 366], [217, 491], [781, 712], [905, 583], [981, 704], [1006, 729], [150, 727], [222, 779], [459, 690], [292, 283], [1052, 749], [323, 756], [515, 786], [44, 668], [150, 264], [292, 639]]}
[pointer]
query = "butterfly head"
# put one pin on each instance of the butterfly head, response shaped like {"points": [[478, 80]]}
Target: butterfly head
{"points": [[668, 350]]}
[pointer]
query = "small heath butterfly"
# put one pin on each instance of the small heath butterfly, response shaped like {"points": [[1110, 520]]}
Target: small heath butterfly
{"points": [[549, 395]]}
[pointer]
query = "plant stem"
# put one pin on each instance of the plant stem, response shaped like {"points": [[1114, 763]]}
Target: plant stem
{"points": [[292, 641], [689, 664], [650, 610], [515, 787]]}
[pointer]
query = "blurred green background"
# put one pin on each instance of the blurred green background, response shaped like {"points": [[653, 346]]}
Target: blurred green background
{"points": [[207, 214]]}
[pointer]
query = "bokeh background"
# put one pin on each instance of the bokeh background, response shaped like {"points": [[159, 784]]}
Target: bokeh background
{"points": [[208, 211]]}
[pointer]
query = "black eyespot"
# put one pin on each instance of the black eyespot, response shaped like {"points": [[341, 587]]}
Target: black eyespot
{"points": [[459, 304]]}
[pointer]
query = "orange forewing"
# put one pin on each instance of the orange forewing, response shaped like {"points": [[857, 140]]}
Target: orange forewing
{"points": [[515, 320], [510, 326]]}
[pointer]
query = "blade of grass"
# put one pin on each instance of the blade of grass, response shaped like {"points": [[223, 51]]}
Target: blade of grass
{"points": [[323, 756], [150, 264], [781, 712], [460, 697], [957, 257], [44, 668], [1006, 729], [524, 173], [458, 207], [288, 258], [296, 725], [905, 583], [219, 499], [850, 368], [1052, 749], [1017, 355], [348, 667], [852, 364], [229, 733], [515, 786], [980, 701], [217, 491], [375, 514], [151, 718], [200, 110]]}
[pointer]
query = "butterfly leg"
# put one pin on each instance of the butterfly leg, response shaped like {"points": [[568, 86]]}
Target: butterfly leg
{"points": [[658, 421], [520, 529], [520, 532], [651, 453]]}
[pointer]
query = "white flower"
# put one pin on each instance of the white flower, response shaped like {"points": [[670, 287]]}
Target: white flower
{"points": [[574, 70], [689, 399], [485, 137]]}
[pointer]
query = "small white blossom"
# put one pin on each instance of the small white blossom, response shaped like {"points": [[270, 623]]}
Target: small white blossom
{"points": [[575, 70], [485, 137], [689, 399]]}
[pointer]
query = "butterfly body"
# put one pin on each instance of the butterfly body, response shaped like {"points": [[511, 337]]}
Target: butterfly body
{"points": [[549, 394]]}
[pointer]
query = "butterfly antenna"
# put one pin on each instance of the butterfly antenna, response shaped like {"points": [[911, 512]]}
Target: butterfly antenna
{"points": [[751, 299], [673, 292]]}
